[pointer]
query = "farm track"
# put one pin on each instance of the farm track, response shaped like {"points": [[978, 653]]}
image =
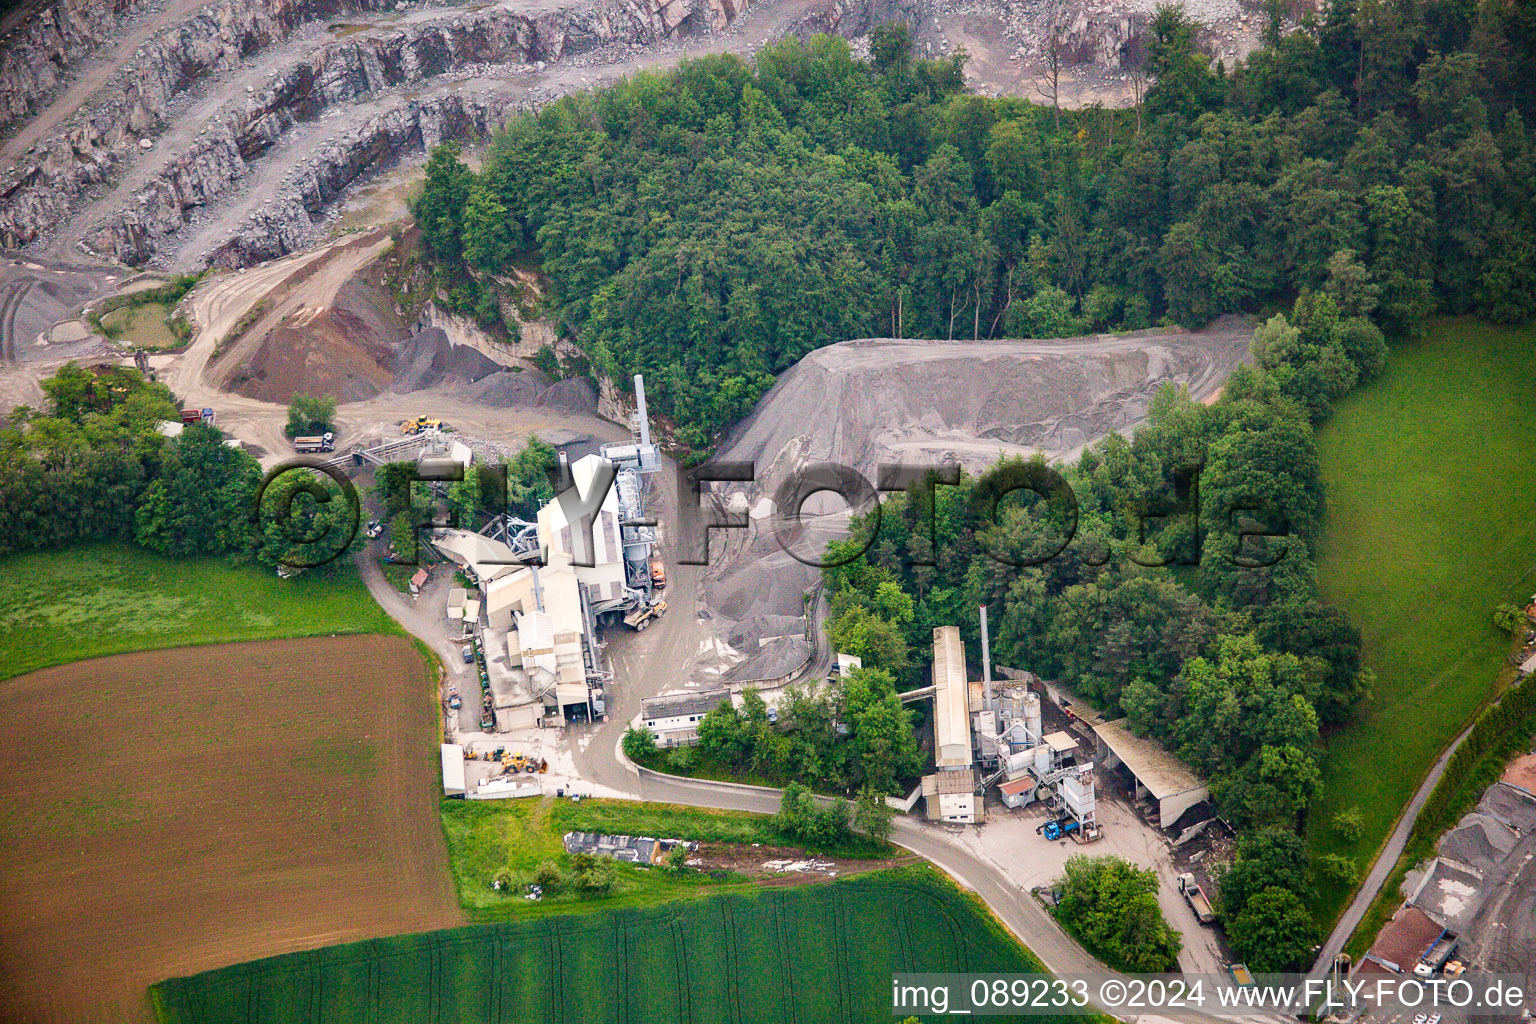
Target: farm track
{"points": [[211, 806]]}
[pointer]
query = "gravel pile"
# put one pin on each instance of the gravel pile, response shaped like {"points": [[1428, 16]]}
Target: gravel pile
{"points": [[428, 359]]}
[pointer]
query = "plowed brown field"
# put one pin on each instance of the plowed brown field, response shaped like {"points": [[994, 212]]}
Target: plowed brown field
{"points": [[172, 811]]}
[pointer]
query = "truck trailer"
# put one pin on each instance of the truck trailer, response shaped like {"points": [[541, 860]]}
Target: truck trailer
{"points": [[1195, 897], [315, 443]]}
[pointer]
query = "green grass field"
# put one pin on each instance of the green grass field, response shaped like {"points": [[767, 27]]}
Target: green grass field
{"points": [[814, 954], [95, 600], [142, 326], [485, 837], [1431, 522]]}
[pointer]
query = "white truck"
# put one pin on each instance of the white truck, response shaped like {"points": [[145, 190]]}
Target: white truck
{"points": [[1195, 897]]}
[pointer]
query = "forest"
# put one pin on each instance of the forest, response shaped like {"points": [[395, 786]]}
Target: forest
{"points": [[710, 225]]}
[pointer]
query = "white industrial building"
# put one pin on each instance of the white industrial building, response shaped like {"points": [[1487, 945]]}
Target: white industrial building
{"points": [[453, 769], [1156, 772], [605, 578], [674, 718], [951, 701], [951, 797], [986, 735], [949, 794]]}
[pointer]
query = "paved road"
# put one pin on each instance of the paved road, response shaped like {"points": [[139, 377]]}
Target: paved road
{"points": [[1386, 860], [660, 659]]}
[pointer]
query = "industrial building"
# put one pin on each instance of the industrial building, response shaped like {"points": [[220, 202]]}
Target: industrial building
{"points": [[986, 735], [1156, 772], [544, 587], [951, 702], [453, 770], [674, 719]]}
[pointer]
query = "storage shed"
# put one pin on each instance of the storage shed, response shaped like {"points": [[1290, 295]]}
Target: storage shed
{"points": [[1156, 771]]}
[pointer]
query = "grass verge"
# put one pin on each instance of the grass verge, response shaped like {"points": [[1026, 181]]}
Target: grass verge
{"points": [[100, 599], [1430, 473], [489, 836], [1454, 795]]}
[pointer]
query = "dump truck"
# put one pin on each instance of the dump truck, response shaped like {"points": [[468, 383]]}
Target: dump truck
{"points": [[419, 424], [658, 574], [315, 442], [642, 617], [1061, 827], [1195, 897], [190, 416], [1438, 954]]}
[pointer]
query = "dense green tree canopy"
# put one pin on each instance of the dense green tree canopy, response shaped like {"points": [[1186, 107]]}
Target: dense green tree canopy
{"points": [[1111, 906], [712, 224]]}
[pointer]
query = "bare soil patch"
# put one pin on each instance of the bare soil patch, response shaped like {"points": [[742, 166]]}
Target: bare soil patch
{"points": [[1522, 772], [170, 812], [785, 865]]}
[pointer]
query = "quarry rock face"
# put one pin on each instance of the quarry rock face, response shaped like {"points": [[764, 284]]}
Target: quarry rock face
{"points": [[288, 223], [33, 63], [97, 145]]}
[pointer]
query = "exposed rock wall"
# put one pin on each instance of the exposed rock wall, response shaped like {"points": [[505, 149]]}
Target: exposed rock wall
{"points": [[39, 191], [288, 223], [36, 58], [38, 195]]}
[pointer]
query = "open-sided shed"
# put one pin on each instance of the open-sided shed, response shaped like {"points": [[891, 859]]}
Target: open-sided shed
{"points": [[1156, 771]]}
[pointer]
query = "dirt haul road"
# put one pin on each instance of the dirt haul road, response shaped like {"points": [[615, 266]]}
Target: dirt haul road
{"points": [[306, 283], [174, 811]]}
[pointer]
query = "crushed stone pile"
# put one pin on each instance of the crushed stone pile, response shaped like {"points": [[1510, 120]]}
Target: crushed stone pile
{"points": [[1508, 804], [1479, 841], [861, 403], [428, 359], [532, 389]]}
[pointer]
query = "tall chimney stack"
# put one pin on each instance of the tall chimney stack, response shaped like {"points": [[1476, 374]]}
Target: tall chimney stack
{"points": [[645, 421], [986, 664]]}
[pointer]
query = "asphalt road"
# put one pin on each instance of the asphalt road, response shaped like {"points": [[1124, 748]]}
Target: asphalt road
{"points": [[660, 659], [1386, 860]]}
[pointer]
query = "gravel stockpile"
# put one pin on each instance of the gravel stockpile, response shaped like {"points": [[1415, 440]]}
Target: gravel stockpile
{"points": [[861, 403], [428, 359], [507, 389]]}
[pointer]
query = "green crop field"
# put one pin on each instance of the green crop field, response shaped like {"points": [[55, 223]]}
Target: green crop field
{"points": [[812, 954], [1431, 522], [99, 599]]}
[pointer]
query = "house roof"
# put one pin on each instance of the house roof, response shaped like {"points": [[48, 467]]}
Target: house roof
{"points": [[949, 783], [1157, 769], [673, 705], [1023, 784]]}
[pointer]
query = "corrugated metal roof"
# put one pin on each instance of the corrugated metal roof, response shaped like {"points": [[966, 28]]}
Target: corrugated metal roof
{"points": [[673, 705], [951, 700], [1160, 771], [1020, 785]]}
